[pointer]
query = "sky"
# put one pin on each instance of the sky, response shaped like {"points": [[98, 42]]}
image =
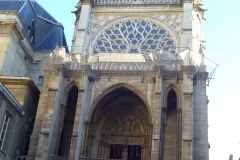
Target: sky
{"points": [[221, 30]]}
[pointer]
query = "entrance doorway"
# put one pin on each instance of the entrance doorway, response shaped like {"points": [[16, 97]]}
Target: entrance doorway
{"points": [[130, 152], [120, 127], [134, 152]]}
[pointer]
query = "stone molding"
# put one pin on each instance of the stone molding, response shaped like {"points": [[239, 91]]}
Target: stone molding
{"points": [[52, 89], [188, 92], [20, 80], [140, 3], [11, 99], [7, 23], [158, 92], [84, 2], [81, 90]]}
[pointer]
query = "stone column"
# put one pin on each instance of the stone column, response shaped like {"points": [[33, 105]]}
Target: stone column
{"points": [[156, 119], [162, 133], [187, 114], [179, 121], [85, 103], [90, 146], [108, 151], [77, 122], [98, 150], [85, 139], [200, 119], [54, 103], [59, 129]]}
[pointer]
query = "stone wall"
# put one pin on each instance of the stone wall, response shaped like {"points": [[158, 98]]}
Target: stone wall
{"points": [[18, 127]]}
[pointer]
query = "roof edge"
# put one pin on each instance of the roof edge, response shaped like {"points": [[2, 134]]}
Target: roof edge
{"points": [[11, 99]]}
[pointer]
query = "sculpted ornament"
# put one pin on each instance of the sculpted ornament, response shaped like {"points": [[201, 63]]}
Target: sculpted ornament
{"points": [[172, 20], [127, 125], [127, 140]]}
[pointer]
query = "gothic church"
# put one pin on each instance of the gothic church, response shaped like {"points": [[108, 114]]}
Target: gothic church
{"points": [[132, 87]]}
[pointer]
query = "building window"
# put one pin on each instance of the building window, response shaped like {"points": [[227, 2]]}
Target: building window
{"points": [[33, 25], [32, 38], [29, 133], [0, 101], [29, 31], [4, 129], [40, 80]]}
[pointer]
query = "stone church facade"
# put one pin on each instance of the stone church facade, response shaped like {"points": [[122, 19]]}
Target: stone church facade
{"points": [[133, 86]]}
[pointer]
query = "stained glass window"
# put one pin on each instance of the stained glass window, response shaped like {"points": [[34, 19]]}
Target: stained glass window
{"points": [[134, 36]]}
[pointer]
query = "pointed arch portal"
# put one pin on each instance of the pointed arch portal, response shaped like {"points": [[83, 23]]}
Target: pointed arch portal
{"points": [[171, 134], [120, 127], [68, 122]]}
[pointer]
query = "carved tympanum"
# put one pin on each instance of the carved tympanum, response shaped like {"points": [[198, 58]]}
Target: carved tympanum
{"points": [[128, 125]]}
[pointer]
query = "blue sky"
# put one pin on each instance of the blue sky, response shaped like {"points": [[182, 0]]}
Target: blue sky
{"points": [[221, 30]]}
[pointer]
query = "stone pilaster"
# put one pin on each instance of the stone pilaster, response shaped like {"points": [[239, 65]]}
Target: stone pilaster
{"points": [[76, 128], [36, 135], [179, 121], [56, 90], [85, 139], [81, 27], [162, 133], [84, 99], [156, 119], [187, 24], [45, 129], [200, 119], [187, 115]]}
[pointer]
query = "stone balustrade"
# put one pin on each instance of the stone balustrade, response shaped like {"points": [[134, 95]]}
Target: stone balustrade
{"points": [[121, 2]]}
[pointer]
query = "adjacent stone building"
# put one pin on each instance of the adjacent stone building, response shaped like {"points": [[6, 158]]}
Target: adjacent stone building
{"points": [[27, 34], [133, 86]]}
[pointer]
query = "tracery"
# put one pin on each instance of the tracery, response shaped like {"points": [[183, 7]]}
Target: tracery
{"points": [[134, 36]]}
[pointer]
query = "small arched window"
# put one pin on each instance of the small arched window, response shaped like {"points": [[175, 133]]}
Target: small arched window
{"points": [[33, 24], [29, 31], [32, 37], [32, 32]]}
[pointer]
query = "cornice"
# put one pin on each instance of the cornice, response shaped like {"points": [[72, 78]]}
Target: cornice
{"points": [[7, 23], [20, 81], [11, 99], [19, 31], [8, 12], [125, 10], [84, 2]]}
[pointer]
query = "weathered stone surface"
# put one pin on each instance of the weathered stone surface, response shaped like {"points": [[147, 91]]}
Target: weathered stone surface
{"points": [[122, 101]]}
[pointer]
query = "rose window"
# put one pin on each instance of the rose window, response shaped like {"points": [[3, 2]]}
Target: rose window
{"points": [[134, 36]]}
